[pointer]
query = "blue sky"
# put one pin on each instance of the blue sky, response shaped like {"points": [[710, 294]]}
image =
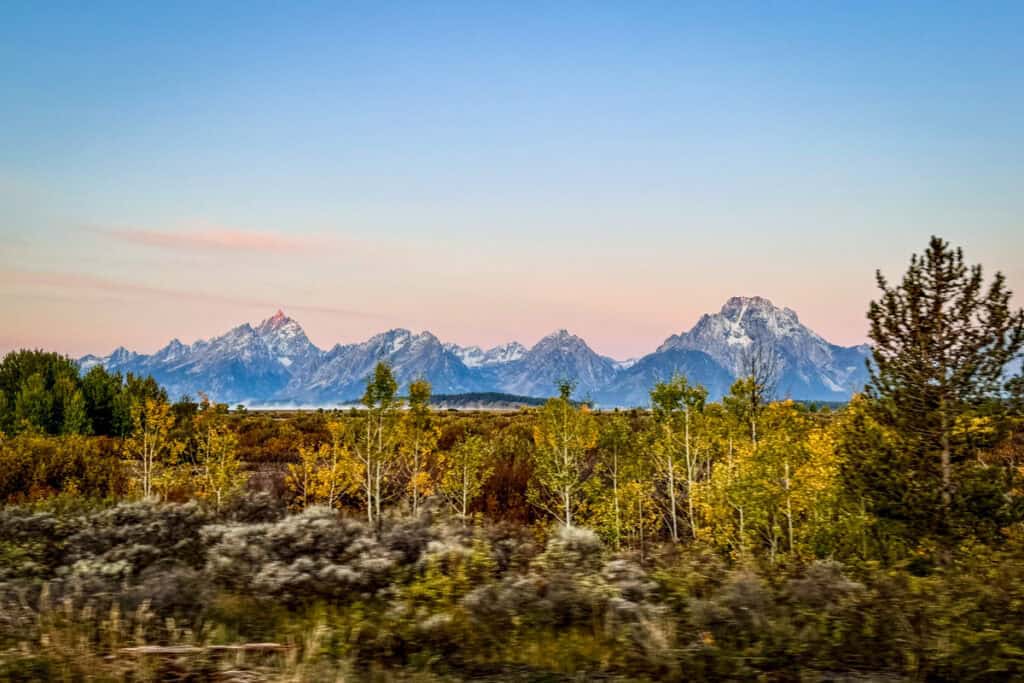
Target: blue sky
{"points": [[492, 170]]}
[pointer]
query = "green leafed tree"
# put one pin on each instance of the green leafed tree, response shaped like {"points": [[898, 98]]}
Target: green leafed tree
{"points": [[151, 443], [468, 466], [677, 406], [375, 440], [217, 461], [564, 435], [419, 438]]}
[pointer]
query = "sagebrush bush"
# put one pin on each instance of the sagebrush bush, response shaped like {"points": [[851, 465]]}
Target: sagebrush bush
{"points": [[423, 594]]}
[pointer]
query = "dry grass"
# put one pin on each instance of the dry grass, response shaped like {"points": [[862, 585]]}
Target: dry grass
{"points": [[68, 643]]}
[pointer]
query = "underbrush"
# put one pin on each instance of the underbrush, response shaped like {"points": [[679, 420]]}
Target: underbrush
{"points": [[143, 591]]}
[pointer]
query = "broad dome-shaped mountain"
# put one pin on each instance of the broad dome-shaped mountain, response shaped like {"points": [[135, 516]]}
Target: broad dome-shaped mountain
{"points": [[810, 367]]}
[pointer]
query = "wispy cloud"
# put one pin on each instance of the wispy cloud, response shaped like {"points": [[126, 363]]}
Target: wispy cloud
{"points": [[210, 237], [80, 282]]}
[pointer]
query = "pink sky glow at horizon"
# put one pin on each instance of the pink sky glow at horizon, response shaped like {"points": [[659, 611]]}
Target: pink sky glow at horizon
{"points": [[198, 282]]}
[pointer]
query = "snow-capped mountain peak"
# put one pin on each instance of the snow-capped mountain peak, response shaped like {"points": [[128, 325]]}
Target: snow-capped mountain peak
{"points": [[392, 341], [286, 340], [561, 339], [757, 312], [174, 351], [276, 320], [808, 362]]}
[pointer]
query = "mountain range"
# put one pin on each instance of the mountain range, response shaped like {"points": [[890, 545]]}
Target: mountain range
{"points": [[275, 363]]}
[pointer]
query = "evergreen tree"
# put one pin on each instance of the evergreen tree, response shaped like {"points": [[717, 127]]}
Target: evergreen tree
{"points": [[940, 343], [34, 405], [74, 417], [39, 388], [100, 390]]}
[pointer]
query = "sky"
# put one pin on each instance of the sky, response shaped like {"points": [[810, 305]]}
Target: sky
{"points": [[492, 171]]}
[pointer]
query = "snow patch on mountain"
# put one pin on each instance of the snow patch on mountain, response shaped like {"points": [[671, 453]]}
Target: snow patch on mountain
{"points": [[475, 357]]}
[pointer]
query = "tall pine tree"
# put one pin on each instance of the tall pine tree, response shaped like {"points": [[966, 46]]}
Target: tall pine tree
{"points": [[940, 340]]}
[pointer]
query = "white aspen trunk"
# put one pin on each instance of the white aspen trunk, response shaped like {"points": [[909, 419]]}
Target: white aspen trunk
{"points": [[689, 474], [641, 510], [672, 496], [465, 492], [334, 475], [789, 506], [368, 464], [147, 450], [566, 464], [415, 477], [376, 495], [615, 494]]}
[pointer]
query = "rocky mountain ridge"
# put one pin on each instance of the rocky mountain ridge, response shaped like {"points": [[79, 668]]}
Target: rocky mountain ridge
{"points": [[275, 363]]}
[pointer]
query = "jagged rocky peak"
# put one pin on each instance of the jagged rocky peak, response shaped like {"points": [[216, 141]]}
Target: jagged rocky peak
{"points": [[286, 340], [561, 339], [275, 322], [759, 309], [280, 325], [392, 341], [399, 341], [425, 337], [173, 350], [243, 330], [120, 355], [741, 303], [471, 356], [740, 322], [559, 355], [242, 336]]}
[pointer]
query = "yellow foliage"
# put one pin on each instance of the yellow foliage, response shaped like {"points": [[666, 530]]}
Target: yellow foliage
{"points": [[323, 475]]}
